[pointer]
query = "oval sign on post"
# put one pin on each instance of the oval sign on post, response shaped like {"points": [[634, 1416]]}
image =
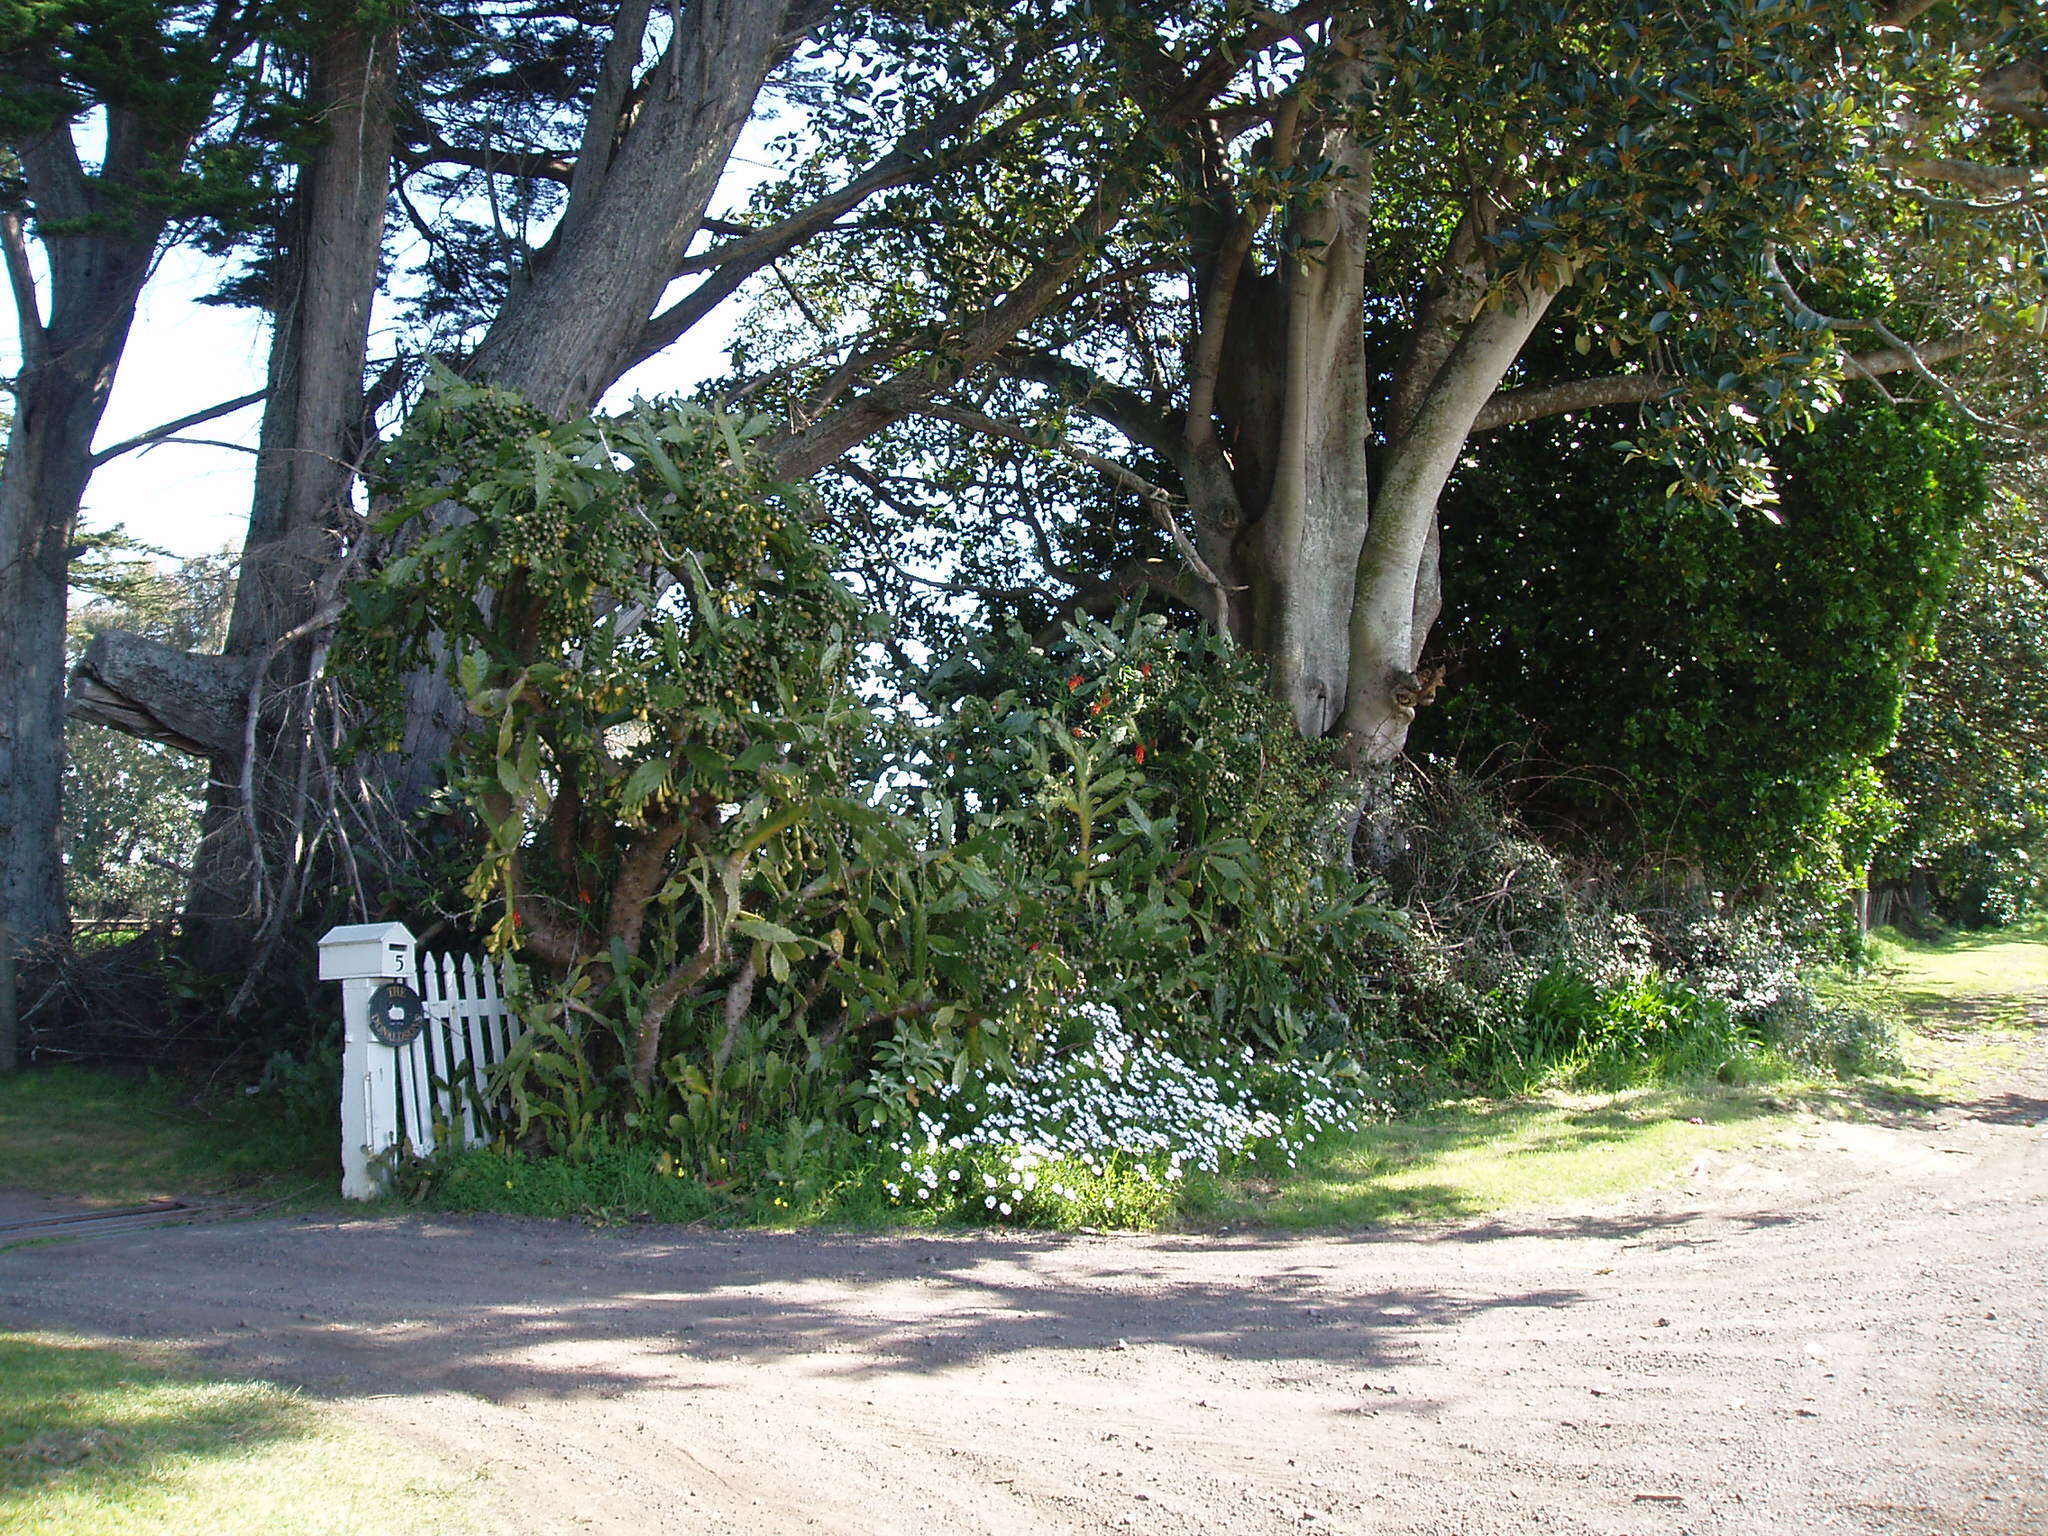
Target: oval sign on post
{"points": [[396, 1014]]}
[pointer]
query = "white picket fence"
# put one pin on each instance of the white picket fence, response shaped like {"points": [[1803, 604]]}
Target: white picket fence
{"points": [[412, 1096]]}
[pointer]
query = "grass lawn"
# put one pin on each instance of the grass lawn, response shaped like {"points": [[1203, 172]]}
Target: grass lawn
{"points": [[119, 1140], [1472, 1156], [1971, 1001], [1967, 1004], [97, 1440]]}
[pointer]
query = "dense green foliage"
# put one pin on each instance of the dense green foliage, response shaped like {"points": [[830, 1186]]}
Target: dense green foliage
{"points": [[1182, 833], [753, 910], [771, 902], [1970, 767], [1709, 692], [205, 97]]}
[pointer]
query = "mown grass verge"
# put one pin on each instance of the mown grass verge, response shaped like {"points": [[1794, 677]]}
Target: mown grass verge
{"points": [[1965, 1006], [1969, 1002], [112, 1139], [103, 1441]]}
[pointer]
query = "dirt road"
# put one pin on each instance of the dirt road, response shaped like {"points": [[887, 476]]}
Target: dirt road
{"points": [[1845, 1332]]}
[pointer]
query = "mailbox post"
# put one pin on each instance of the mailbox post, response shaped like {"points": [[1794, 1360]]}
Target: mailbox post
{"points": [[364, 957]]}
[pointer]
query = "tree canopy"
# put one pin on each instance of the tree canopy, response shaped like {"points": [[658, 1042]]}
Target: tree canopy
{"points": [[1056, 306]]}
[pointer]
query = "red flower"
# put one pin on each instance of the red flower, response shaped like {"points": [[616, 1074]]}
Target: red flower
{"points": [[1095, 708], [1073, 682], [1141, 752]]}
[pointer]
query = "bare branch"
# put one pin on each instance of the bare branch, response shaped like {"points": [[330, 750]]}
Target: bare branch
{"points": [[801, 453], [1157, 500], [1143, 421], [1162, 509], [1902, 13], [1452, 297], [1534, 401], [1224, 61], [526, 164], [991, 426], [798, 453], [1978, 177], [912, 157], [170, 429], [21, 277], [2018, 90], [751, 249], [1909, 357]]}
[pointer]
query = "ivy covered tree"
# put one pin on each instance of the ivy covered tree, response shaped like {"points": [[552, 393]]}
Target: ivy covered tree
{"points": [[559, 177], [749, 890], [660, 665]]}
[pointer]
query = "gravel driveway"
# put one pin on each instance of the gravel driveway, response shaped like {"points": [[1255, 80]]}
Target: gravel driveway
{"points": [[1843, 1332]]}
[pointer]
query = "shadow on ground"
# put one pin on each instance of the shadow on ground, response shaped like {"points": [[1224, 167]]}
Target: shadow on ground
{"points": [[503, 1308], [103, 1424]]}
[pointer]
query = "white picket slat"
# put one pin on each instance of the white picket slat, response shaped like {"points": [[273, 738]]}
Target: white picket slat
{"points": [[452, 1069], [412, 1086], [445, 1074], [500, 1030], [461, 1059]]}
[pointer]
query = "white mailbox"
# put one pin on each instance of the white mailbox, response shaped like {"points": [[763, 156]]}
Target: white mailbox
{"points": [[366, 949], [364, 957]]}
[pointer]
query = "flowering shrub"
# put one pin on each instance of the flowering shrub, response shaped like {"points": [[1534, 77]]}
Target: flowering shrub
{"points": [[1105, 1131]]}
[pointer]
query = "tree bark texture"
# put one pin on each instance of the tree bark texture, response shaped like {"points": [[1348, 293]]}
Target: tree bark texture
{"points": [[59, 398], [1338, 578], [311, 436], [575, 326]]}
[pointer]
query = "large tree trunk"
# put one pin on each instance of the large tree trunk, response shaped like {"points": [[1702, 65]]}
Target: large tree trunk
{"points": [[59, 398], [1395, 593], [575, 325], [649, 166], [258, 790], [1304, 547], [57, 410], [1340, 577]]}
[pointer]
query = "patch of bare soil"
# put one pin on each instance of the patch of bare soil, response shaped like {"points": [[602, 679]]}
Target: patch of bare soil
{"points": [[1845, 1332]]}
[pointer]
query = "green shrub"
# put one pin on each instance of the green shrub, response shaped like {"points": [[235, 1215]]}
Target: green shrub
{"points": [[736, 896], [1533, 969], [1578, 1031], [606, 1182], [1167, 836]]}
